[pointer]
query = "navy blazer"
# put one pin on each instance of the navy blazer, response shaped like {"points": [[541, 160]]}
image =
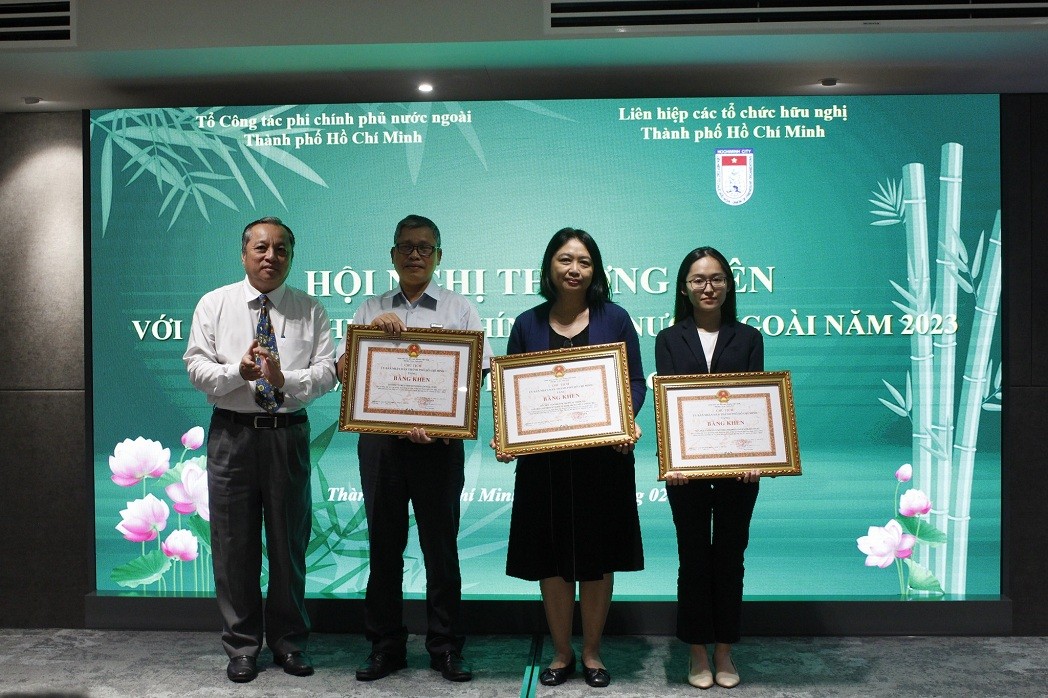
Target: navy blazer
{"points": [[678, 351], [607, 323]]}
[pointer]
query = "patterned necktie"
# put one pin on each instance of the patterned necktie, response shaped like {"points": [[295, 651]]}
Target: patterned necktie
{"points": [[267, 397]]}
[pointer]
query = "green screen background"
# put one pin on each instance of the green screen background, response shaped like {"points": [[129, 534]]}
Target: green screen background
{"points": [[171, 190]]}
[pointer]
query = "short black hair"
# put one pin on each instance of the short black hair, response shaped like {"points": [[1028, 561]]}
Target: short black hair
{"points": [[413, 221], [272, 220], [599, 291]]}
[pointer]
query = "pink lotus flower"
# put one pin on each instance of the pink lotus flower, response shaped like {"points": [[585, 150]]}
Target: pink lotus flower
{"points": [[143, 518], [180, 544], [190, 493], [914, 502], [193, 438], [133, 460], [883, 545], [904, 473]]}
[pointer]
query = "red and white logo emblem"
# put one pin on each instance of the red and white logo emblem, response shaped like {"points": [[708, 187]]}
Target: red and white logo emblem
{"points": [[734, 175]]}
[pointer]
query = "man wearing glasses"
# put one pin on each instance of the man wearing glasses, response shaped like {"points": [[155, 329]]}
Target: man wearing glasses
{"points": [[427, 472]]}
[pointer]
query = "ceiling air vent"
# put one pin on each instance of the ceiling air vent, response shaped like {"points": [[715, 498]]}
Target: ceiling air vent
{"points": [[786, 16], [37, 24]]}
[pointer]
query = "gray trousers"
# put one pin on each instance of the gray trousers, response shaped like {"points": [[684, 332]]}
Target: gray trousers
{"points": [[259, 477]]}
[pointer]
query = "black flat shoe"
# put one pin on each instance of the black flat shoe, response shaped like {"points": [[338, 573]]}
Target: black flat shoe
{"points": [[555, 677], [596, 678], [294, 663], [241, 669], [379, 665]]}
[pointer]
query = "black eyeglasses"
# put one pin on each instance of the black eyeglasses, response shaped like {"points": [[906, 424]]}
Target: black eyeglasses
{"points": [[699, 282], [406, 248]]}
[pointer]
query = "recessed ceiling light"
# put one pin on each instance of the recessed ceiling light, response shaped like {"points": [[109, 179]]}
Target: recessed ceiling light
{"points": [[425, 87], [828, 82]]}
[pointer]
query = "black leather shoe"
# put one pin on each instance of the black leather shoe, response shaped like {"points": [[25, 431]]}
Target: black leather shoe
{"points": [[451, 666], [241, 669], [294, 663], [597, 678], [555, 677], [379, 665]]}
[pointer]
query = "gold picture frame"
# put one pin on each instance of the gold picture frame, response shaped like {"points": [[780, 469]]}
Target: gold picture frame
{"points": [[428, 378], [726, 424], [562, 399]]}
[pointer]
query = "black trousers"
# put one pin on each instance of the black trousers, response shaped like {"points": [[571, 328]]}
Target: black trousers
{"points": [[712, 518], [256, 477], [394, 472]]}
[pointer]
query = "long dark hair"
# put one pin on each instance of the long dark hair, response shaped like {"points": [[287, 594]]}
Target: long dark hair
{"points": [[682, 307], [599, 291]]}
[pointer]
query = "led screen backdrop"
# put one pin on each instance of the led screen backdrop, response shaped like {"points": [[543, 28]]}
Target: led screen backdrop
{"points": [[863, 233]]}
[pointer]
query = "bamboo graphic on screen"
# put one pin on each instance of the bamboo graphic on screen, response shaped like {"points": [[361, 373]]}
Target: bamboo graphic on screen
{"points": [[916, 220], [975, 391], [945, 345], [196, 155], [191, 156], [944, 441]]}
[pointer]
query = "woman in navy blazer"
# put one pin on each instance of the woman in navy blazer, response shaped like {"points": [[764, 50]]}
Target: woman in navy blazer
{"points": [[574, 517], [711, 516]]}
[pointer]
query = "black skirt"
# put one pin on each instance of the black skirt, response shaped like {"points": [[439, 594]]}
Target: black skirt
{"points": [[574, 516]]}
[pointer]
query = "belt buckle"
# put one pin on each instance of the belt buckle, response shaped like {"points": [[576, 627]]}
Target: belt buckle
{"points": [[272, 424]]}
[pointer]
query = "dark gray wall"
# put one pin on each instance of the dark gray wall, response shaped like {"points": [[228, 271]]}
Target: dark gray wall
{"points": [[46, 541], [45, 484], [1024, 175]]}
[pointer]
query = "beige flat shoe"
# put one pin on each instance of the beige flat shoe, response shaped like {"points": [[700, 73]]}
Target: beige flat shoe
{"points": [[700, 678], [728, 679]]}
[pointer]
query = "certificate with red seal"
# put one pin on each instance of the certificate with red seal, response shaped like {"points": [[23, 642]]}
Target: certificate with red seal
{"points": [[561, 399], [428, 378], [726, 424]]}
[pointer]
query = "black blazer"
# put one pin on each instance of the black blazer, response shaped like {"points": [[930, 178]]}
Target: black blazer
{"points": [[678, 350]]}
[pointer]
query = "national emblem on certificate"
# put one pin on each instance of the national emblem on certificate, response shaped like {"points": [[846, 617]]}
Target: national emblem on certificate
{"points": [[424, 377], [561, 399], [725, 424]]}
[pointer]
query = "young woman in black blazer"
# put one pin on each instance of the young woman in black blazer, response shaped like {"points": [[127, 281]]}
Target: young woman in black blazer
{"points": [[711, 516]]}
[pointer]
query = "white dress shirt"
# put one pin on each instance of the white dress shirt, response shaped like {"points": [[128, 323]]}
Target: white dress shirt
{"points": [[437, 307], [223, 328]]}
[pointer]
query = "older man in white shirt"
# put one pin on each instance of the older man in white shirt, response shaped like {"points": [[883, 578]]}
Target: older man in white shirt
{"points": [[261, 351]]}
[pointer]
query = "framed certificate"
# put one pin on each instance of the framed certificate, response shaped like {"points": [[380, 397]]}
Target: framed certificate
{"points": [[561, 399], [725, 424], [427, 378]]}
